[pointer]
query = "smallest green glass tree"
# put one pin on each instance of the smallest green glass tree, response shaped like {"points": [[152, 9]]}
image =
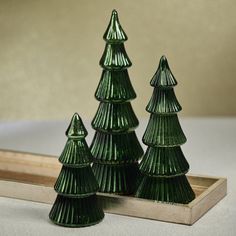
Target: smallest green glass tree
{"points": [[76, 204]]}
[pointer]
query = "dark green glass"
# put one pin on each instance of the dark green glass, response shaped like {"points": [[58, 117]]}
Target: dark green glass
{"points": [[164, 131], [75, 154], [163, 101], [164, 166], [118, 179], [115, 147], [176, 189], [76, 204], [74, 182], [76, 212], [164, 162], [114, 32], [115, 118], [115, 57], [115, 86], [163, 76]]}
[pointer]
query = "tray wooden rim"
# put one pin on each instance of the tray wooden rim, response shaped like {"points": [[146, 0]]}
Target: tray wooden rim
{"points": [[36, 164]]}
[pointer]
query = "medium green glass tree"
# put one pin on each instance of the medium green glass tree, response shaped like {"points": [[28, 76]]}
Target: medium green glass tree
{"points": [[164, 165], [115, 147], [76, 204]]}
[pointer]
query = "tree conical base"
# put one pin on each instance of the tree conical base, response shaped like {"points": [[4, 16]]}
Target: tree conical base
{"points": [[76, 212], [172, 190], [116, 179]]}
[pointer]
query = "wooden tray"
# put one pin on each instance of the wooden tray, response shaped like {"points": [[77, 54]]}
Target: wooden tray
{"points": [[31, 177]]}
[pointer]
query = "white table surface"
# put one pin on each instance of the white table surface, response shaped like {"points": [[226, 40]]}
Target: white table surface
{"points": [[210, 150]]}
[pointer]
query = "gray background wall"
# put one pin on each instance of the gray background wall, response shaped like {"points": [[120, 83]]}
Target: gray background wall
{"points": [[50, 49]]}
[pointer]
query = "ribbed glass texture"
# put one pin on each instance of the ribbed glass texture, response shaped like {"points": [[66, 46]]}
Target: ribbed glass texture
{"points": [[115, 118], [115, 147], [114, 32], [163, 101], [164, 166], [164, 131], [115, 86], [164, 162], [163, 76], [75, 154], [117, 179], [176, 189], [76, 212], [115, 57], [76, 204], [76, 182]]}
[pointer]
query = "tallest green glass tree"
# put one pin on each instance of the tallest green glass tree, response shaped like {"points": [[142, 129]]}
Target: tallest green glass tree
{"points": [[115, 147]]}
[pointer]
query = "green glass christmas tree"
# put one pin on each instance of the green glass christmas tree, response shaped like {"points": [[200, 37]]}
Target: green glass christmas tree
{"points": [[164, 165], [76, 204], [115, 147]]}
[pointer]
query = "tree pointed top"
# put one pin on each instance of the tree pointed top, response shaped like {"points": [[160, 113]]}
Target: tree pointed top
{"points": [[163, 76], [76, 128], [114, 32], [164, 62]]}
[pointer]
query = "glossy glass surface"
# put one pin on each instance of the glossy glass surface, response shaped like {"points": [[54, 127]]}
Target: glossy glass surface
{"points": [[76, 212], [115, 87], [117, 179], [115, 147], [164, 131], [164, 166], [163, 76], [176, 189], [163, 101], [74, 182], [115, 118], [76, 154], [76, 204], [164, 162]]}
